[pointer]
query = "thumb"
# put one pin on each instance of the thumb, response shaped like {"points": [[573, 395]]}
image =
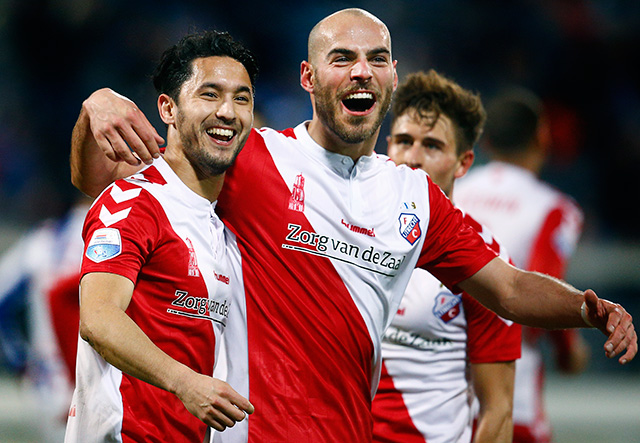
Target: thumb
{"points": [[591, 300], [596, 313]]}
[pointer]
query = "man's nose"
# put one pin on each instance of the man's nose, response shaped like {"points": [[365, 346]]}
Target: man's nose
{"points": [[226, 111], [414, 156], [361, 70]]}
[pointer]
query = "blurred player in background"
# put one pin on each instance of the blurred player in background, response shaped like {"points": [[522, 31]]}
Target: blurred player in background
{"points": [[538, 225], [41, 267], [436, 337]]}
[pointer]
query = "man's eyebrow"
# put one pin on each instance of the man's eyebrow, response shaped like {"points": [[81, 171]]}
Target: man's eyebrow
{"points": [[341, 51], [381, 50], [401, 134], [350, 52], [218, 86]]}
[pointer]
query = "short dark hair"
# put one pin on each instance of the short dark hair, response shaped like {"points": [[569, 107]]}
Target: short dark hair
{"points": [[513, 119], [432, 94], [175, 66]]}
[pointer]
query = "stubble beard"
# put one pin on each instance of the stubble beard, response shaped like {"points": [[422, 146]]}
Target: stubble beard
{"points": [[355, 130], [204, 162]]}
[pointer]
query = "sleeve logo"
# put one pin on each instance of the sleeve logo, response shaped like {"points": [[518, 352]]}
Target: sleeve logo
{"points": [[105, 243], [410, 227]]}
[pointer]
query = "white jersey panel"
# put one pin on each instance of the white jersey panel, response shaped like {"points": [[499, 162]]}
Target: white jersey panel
{"points": [[425, 352], [365, 249], [96, 411]]}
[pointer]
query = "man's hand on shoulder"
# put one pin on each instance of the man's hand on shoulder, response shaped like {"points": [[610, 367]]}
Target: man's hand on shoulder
{"points": [[107, 126], [120, 129]]}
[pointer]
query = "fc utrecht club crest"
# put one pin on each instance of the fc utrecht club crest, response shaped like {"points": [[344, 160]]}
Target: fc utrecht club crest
{"points": [[105, 243], [296, 201], [410, 227], [447, 306]]}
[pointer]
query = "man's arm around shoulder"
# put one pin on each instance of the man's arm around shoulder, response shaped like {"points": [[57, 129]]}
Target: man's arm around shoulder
{"points": [[111, 139]]}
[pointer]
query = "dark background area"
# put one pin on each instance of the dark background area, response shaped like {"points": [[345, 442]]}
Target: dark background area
{"points": [[581, 57]]}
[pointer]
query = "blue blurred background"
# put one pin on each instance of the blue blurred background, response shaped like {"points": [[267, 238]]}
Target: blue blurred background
{"points": [[581, 57]]}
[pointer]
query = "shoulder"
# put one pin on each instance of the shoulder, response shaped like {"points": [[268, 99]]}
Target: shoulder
{"points": [[400, 173], [268, 134], [262, 141], [123, 201]]}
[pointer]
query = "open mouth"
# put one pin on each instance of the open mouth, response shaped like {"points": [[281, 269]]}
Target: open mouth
{"points": [[360, 102], [222, 135]]}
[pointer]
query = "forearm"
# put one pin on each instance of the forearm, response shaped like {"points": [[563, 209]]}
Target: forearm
{"points": [[528, 298], [90, 172], [116, 337], [493, 385], [105, 325], [551, 303], [494, 426]]}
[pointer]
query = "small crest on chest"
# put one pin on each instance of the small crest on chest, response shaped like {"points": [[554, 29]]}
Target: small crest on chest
{"points": [[410, 227]]}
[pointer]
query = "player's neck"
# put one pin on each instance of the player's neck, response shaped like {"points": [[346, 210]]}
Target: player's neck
{"points": [[331, 142], [206, 186]]}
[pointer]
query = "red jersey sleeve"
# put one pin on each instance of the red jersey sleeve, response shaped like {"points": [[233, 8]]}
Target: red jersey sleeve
{"points": [[120, 231], [490, 338], [453, 251]]}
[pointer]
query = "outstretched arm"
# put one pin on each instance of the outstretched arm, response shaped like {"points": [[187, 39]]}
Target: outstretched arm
{"points": [[111, 139], [493, 385], [535, 299], [105, 325]]}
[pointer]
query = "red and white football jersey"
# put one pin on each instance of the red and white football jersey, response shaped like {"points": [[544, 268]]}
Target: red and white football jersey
{"points": [[328, 247], [152, 229], [425, 392], [540, 227]]}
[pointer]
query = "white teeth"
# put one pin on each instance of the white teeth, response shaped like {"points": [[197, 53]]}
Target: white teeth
{"points": [[221, 132], [360, 95]]}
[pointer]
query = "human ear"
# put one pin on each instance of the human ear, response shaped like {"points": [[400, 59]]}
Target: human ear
{"points": [[166, 109], [466, 160], [307, 78]]}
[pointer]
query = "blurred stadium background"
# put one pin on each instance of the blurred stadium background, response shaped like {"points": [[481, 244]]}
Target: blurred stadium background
{"points": [[580, 56]]}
